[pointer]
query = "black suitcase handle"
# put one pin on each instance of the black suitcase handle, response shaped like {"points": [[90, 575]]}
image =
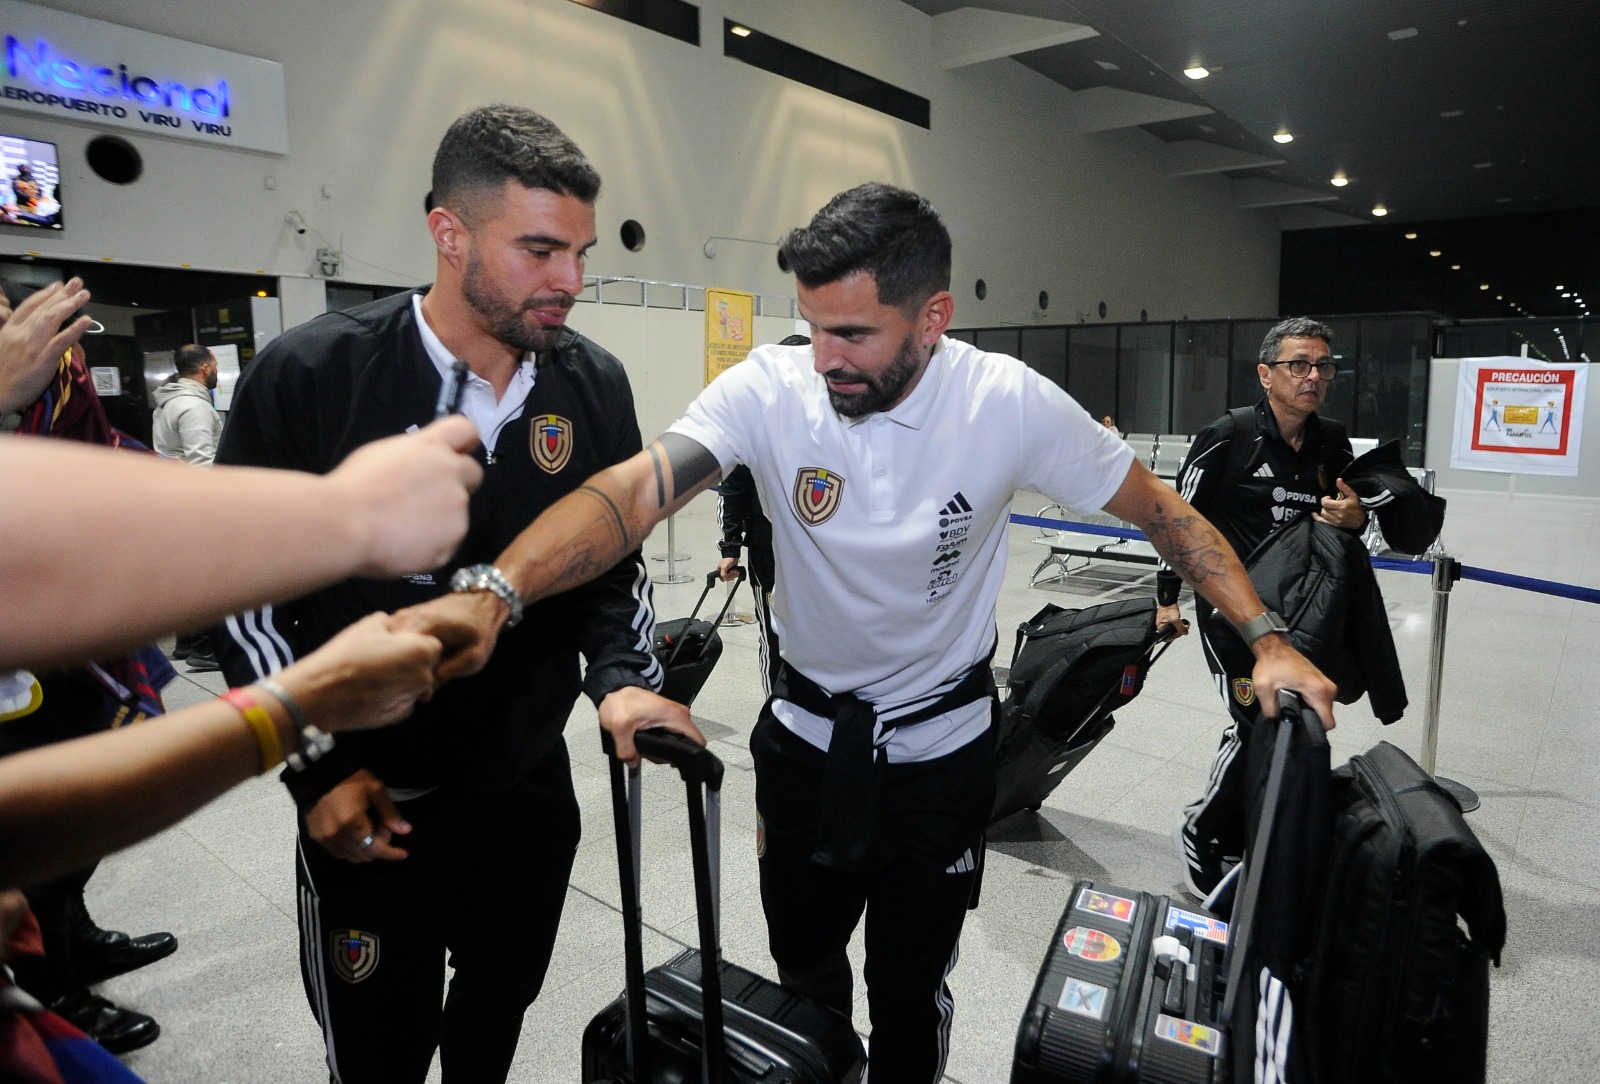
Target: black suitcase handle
{"points": [[711, 581], [700, 768]]}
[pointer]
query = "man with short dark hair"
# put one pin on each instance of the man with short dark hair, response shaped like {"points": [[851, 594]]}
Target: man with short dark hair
{"points": [[454, 832], [186, 424], [888, 455], [1293, 465]]}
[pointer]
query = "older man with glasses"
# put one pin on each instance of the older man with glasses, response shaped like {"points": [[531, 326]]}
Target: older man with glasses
{"points": [[1250, 472]]}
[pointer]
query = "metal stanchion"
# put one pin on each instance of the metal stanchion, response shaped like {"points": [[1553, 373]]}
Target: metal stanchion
{"points": [[732, 618], [1446, 571], [672, 556]]}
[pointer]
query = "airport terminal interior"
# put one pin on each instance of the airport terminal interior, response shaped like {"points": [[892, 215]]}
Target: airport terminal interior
{"points": [[1135, 192]]}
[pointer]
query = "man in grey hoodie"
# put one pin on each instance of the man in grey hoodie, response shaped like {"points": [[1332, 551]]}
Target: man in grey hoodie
{"points": [[186, 424]]}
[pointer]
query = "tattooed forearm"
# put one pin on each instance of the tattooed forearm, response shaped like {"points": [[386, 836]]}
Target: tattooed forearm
{"points": [[1190, 545], [615, 517]]}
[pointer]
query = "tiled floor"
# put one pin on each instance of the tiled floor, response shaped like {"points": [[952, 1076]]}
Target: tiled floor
{"points": [[1517, 724]]}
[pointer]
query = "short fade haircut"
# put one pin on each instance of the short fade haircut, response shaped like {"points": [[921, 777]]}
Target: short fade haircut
{"points": [[494, 144], [1296, 327], [190, 358], [889, 233]]}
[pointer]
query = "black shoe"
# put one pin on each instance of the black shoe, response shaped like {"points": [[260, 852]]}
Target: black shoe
{"points": [[179, 651], [102, 954], [118, 1030], [199, 664]]}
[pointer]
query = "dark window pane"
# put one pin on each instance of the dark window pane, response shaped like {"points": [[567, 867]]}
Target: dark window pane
{"points": [[1002, 340], [1045, 351], [1392, 386], [1092, 369], [1200, 375], [1244, 382], [1144, 378]]}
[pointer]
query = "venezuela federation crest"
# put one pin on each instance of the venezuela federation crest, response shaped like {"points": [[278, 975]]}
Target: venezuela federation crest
{"points": [[816, 494], [354, 954], [551, 438]]}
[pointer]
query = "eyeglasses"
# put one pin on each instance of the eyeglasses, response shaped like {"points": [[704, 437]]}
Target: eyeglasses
{"points": [[1300, 368]]}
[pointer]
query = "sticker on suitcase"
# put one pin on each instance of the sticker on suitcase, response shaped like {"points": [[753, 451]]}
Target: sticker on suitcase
{"points": [[1085, 999], [1188, 1033], [1118, 907], [1089, 944], [1212, 929]]}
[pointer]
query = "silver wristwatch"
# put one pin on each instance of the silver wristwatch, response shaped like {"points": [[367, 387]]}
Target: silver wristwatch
{"points": [[1257, 627], [490, 579]]}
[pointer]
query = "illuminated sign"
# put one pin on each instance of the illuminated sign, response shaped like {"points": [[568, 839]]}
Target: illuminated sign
{"points": [[73, 68]]}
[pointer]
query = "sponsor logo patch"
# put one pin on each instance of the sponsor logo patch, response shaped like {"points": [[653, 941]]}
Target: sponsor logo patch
{"points": [[1188, 1033], [550, 440], [1118, 907], [1244, 692], [1091, 944], [354, 954], [817, 492], [1084, 998]]}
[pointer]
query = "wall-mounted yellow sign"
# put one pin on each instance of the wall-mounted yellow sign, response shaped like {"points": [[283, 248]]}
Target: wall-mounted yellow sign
{"points": [[730, 325]]}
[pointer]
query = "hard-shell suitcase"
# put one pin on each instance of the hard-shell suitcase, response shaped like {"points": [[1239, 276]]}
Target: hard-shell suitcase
{"points": [[689, 648], [1131, 990], [1069, 671], [1139, 987], [684, 1021]]}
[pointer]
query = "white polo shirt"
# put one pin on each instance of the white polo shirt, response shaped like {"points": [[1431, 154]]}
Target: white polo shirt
{"points": [[478, 401], [889, 531]]}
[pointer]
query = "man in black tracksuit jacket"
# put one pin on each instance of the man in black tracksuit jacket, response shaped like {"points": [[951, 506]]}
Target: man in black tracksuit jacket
{"points": [[454, 830], [1293, 465]]}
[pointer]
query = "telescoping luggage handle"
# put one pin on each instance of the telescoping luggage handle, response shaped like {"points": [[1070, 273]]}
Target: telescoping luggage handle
{"points": [[711, 580], [1292, 713], [700, 768]]}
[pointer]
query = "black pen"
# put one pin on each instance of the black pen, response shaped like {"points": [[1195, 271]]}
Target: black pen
{"points": [[451, 391]]}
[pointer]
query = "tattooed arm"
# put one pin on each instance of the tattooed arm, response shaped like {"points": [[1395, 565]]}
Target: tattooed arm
{"points": [[1199, 553], [574, 540]]}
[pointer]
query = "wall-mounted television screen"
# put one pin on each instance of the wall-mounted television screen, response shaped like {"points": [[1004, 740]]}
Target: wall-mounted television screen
{"points": [[30, 184]]}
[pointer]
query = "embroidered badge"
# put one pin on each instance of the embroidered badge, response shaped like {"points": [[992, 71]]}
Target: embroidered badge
{"points": [[1244, 692], [761, 837], [816, 494], [354, 954], [550, 438]]}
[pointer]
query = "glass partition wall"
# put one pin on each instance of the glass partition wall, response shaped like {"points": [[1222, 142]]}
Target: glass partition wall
{"points": [[1177, 377]]}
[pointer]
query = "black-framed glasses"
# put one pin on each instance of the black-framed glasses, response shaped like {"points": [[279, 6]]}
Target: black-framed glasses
{"points": [[1300, 368]]}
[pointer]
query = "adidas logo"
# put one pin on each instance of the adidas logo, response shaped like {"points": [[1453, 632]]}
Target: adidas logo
{"points": [[1264, 471], [964, 864], [958, 504]]}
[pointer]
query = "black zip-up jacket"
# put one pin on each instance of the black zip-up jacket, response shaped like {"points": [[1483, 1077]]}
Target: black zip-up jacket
{"points": [[1274, 483], [323, 389]]}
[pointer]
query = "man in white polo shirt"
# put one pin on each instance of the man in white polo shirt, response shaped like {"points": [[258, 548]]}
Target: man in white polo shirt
{"points": [[889, 456]]}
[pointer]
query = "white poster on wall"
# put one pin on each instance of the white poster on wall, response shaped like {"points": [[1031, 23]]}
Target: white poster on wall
{"points": [[71, 68], [227, 373], [1519, 416]]}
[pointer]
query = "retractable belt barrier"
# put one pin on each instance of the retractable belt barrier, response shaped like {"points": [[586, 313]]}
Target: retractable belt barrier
{"points": [[1445, 571]]}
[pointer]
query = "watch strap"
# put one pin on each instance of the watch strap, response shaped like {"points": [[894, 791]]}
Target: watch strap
{"points": [[1257, 627]]}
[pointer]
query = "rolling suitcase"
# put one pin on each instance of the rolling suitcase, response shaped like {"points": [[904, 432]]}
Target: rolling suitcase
{"points": [[1069, 671], [686, 1021], [1139, 987], [689, 648]]}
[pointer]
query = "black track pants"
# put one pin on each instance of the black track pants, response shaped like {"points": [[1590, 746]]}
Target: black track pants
{"points": [[932, 815], [484, 882]]}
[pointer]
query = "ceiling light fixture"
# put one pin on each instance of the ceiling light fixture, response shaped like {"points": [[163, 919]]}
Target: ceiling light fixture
{"points": [[1379, 211], [1411, 236], [1197, 72], [1403, 34], [1339, 180], [740, 31], [1455, 267], [1483, 286], [1452, 114], [1435, 252], [1499, 297], [1482, 165], [1560, 287], [1283, 137]]}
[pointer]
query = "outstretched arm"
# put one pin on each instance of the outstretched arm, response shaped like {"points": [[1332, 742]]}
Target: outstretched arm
{"points": [[573, 541], [1198, 553]]}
